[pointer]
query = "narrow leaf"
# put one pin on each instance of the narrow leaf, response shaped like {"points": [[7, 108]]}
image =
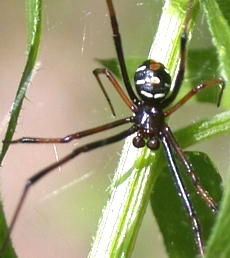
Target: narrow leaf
{"points": [[34, 12], [220, 29]]}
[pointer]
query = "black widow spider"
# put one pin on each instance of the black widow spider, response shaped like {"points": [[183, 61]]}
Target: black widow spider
{"points": [[153, 83]]}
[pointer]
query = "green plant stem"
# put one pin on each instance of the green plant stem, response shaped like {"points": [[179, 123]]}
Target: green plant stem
{"points": [[133, 182]]}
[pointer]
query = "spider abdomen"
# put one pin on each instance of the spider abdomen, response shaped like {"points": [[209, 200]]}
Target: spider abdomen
{"points": [[152, 81]]}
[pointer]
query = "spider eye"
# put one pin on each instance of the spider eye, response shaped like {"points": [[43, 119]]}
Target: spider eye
{"points": [[152, 80]]}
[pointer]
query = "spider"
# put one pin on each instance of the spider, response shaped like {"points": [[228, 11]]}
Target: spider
{"points": [[153, 84]]}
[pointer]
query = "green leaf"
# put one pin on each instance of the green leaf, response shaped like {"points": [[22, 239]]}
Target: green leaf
{"points": [[225, 9], [218, 21], [202, 65], [112, 64], [218, 245], [8, 250], [204, 129], [34, 18], [217, 13], [172, 219]]}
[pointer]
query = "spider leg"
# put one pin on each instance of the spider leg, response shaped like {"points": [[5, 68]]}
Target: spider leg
{"points": [[35, 178], [117, 87], [189, 168], [119, 50], [74, 136], [183, 192], [194, 91]]}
